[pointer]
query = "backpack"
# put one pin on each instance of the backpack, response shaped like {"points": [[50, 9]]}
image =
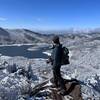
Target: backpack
{"points": [[65, 56]]}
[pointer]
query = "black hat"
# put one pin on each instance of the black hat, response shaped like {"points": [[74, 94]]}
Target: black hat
{"points": [[56, 39]]}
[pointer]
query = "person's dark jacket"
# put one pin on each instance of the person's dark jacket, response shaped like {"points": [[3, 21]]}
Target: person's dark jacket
{"points": [[56, 55]]}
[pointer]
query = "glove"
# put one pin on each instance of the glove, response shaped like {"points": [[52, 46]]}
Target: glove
{"points": [[47, 61]]}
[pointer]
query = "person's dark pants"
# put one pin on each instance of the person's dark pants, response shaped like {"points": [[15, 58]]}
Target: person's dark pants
{"points": [[58, 80]]}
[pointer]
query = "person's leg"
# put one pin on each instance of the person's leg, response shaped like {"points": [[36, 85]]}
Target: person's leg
{"points": [[61, 82], [60, 79], [55, 77]]}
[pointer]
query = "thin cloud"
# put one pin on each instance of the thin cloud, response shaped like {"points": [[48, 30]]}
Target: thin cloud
{"points": [[38, 19], [2, 19]]}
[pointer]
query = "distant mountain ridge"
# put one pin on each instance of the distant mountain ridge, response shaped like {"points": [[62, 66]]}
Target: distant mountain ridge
{"points": [[20, 36], [3, 32], [14, 36]]}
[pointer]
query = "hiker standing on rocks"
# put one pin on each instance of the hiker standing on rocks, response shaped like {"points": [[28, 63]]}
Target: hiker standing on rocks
{"points": [[55, 59]]}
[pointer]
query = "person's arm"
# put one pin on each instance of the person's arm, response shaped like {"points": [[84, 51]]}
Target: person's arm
{"points": [[50, 58]]}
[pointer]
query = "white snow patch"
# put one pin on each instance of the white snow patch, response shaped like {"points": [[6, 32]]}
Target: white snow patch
{"points": [[5, 71], [48, 84], [5, 57], [47, 53], [66, 77]]}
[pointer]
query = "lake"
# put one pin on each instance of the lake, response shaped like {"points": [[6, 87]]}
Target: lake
{"points": [[23, 51]]}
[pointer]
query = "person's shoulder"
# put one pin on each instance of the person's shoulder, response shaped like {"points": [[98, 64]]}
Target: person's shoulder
{"points": [[59, 45]]}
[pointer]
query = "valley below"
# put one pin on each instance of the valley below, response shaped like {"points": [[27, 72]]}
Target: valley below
{"points": [[23, 65]]}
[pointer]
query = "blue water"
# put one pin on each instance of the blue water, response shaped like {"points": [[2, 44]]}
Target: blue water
{"points": [[22, 51]]}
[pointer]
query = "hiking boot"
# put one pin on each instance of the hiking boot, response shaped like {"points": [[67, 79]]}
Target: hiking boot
{"points": [[59, 89], [54, 86], [63, 92]]}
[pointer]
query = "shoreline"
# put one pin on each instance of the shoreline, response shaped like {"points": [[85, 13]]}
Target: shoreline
{"points": [[37, 44], [14, 45]]}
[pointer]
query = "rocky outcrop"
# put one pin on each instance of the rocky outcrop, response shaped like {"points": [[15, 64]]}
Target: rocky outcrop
{"points": [[45, 90]]}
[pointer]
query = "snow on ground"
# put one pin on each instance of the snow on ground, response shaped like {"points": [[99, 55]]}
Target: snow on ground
{"points": [[15, 84], [20, 75], [4, 57], [47, 53], [84, 66]]}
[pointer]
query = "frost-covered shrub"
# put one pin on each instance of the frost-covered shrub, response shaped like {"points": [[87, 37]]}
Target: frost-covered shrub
{"points": [[95, 82], [11, 68], [12, 86]]}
